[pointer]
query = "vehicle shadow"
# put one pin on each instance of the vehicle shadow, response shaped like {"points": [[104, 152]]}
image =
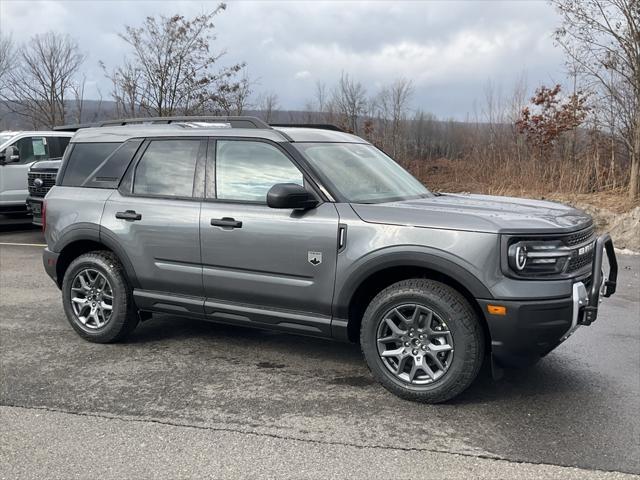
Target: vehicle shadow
{"points": [[546, 377], [14, 225], [169, 329]]}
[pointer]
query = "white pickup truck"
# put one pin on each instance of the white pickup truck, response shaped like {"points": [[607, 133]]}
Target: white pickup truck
{"points": [[18, 151]]}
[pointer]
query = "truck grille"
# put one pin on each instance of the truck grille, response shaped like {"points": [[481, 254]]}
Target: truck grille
{"points": [[579, 262], [579, 237], [48, 181], [581, 240]]}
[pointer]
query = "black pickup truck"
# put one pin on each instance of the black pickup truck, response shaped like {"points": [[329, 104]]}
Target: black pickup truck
{"points": [[41, 177]]}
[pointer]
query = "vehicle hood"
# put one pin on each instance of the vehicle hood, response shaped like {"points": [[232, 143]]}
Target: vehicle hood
{"points": [[51, 164], [478, 213]]}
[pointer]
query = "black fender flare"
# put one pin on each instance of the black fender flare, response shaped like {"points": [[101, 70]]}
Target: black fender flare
{"points": [[435, 260], [90, 231]]}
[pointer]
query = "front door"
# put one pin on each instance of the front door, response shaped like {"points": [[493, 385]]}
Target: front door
{"points": [[155, 218], [13, 176], [264, 265]]}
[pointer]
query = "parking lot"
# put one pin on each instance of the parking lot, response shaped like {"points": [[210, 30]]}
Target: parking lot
{"points": [[188, 398]]}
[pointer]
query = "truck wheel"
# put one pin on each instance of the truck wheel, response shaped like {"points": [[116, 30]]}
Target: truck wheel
{"points": [[422, 340], [97, 298]]}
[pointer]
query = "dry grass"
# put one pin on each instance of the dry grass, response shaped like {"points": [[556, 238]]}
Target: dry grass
{"points": [[575, 184]]}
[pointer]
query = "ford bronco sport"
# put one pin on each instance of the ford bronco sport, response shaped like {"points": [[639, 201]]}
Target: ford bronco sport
{"points": [[317, 232]]}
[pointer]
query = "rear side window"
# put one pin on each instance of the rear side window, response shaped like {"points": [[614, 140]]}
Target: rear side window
{"points": [[110, 171], [83, 161], [167, 168]]}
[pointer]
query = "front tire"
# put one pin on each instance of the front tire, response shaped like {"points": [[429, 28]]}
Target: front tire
{"points": [[422, 340], [97, 298]]}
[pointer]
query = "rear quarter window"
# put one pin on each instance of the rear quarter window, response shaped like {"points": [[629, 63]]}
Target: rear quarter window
{"points": [[98, 165]]}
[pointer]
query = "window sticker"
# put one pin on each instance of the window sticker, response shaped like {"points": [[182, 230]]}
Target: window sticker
{"points": [[38, 147]]}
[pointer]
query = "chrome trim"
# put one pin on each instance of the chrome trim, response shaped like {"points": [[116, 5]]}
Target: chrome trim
{"points": [[580, 299]]}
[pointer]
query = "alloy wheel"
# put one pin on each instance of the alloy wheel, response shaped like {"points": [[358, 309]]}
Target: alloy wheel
{"points": [[414, 344], [92, 298]]}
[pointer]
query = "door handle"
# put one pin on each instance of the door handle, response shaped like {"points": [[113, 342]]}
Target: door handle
{"points": [[129, 215], [226, 222]]}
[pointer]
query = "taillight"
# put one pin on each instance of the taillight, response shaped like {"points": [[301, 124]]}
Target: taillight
{"points": [[44, 215]]}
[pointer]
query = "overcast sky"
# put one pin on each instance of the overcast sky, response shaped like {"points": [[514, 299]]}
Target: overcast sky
{"points": [[450, 50]]}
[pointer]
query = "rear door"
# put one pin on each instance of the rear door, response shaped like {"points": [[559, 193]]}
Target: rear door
{"points": [[260, 264], [155, 218]]}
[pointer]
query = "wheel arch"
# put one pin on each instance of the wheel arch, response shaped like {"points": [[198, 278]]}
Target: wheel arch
{"points": [[372, 276], [80, 241]]}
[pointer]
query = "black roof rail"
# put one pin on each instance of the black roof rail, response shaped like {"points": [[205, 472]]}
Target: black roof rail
{"points": [[321, 126], [234, 121], [74, 128]]}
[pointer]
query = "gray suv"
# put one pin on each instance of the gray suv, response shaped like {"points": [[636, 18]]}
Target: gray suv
{"points": [[315, 231]]}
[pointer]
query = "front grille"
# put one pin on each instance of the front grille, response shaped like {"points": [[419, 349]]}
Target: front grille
{"points": [[579, 237], [48, 181], [580, 241], [579, 262]]}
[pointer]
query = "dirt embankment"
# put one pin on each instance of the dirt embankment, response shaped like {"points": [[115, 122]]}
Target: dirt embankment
{"points": [[611, 214], [623, 227]]}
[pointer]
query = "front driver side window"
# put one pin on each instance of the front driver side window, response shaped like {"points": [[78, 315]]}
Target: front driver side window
{"points": [[246, 170], [32, 149]]}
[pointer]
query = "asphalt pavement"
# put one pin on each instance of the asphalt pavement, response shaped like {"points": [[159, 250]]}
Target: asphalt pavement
{"points": [[185, 398]]}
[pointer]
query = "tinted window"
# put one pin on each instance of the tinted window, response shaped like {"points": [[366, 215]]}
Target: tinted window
{"points": [[84, 159], [61, 144], [110, 171], [167, 168], [247, 170]]}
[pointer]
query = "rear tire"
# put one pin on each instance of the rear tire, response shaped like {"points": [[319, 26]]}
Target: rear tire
{"points": [[97, 298], [437, 346]]}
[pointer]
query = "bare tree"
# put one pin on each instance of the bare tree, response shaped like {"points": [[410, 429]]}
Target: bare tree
{"points": [[7, 58], [393, 102], [42, 78], [170, 69], [602, 37], [78, 95], [268, 104], [127, 89], [7, 61], [350, 100], [321, 96], [242, 93]]}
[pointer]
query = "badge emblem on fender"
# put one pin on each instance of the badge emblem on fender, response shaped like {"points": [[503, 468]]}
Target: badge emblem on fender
{"points": [[314, 258]]}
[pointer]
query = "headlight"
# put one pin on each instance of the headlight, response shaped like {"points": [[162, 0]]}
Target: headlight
{"points": [[538, 257]]}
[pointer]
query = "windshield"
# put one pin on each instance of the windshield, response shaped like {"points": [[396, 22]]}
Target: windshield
{"points": [[362, 173], [6, 138]]}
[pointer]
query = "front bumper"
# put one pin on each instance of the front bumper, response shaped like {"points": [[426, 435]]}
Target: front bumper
{"points": [[531, 329], [34, 206]]}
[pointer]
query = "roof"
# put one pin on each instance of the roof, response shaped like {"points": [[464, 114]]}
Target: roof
{"points": [[123, 133], [278, 134], [48, 133], [298, 134]]}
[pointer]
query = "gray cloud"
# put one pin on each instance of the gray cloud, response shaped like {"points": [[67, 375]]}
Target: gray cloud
{"points": [[449, 49]]}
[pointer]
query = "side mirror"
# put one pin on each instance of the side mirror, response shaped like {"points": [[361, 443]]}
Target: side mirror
{"points": [[290, 195], [10, 155]]}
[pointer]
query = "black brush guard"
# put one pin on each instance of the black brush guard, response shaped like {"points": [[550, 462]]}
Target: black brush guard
{"points": [[600, 284]]}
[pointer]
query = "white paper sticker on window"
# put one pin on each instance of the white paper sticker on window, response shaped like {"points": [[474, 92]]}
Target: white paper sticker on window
{"points": [[38, 147]]}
